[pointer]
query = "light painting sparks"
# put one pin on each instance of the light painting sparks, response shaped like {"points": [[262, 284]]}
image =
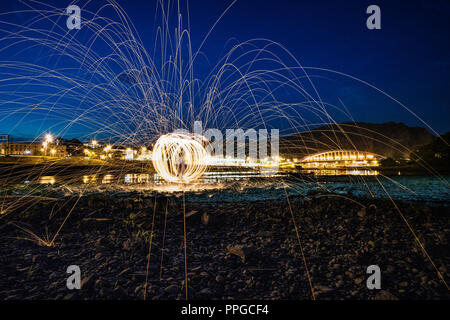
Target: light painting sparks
{"points": [[179, 157]]}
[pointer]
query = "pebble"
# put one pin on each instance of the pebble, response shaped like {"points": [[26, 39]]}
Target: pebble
{"points": [[337, 245], [172, 289]]}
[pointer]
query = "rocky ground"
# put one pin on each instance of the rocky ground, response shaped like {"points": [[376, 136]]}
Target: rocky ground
{"points": [[234, 250]]}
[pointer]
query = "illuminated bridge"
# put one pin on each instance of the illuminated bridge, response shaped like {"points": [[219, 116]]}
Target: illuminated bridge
{"points": [[341, 159]]}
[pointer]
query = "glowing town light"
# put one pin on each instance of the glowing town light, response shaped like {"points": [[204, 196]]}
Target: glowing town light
{"points": [[48, 138], [53, 151], [179, 157]]}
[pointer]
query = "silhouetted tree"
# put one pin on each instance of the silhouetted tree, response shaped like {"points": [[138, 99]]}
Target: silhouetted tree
{"points": [[436, 153]]}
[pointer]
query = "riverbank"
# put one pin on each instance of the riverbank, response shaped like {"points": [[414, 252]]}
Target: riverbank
{"points": [[235, 250], [19, 169]]}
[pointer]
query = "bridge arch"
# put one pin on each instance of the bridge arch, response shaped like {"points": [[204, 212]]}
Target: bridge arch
{"points": [[341, 158]]}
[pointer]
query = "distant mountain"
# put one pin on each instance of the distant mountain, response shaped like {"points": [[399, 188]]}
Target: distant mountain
{"points": [[390, 139], [436, 153]]}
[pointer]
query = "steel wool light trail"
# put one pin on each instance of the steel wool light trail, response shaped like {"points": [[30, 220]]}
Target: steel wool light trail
{"points": [[179, 157]]}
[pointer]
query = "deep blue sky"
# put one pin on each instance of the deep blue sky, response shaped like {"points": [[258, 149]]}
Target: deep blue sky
{"points": [[409, 57]]}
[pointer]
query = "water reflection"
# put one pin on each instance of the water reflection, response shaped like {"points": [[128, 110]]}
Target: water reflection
{"points": [[211, 177], [224, 176], [137, 178], [47, 180], [92, 178], [213, 184], [207, 178], [343, 172], [108, 178]]}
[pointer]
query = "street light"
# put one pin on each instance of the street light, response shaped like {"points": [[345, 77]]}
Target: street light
{"points": [[48, 138]]}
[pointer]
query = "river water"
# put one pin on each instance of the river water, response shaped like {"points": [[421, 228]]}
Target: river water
{"points": [[250, 186]]}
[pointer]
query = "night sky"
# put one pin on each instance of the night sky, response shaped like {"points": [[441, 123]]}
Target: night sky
{"points": [[408, 58]]}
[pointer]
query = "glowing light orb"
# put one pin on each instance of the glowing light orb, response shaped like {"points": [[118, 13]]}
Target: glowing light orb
{"points": [[179, 157]]}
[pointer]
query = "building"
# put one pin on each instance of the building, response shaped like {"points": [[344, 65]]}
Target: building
{"points": [[28, 149], [57, 151], [32, 149], [4, 138], [74, 147]]}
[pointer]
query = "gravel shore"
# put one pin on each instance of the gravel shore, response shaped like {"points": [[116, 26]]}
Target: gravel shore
{"points": [[235, 250]]}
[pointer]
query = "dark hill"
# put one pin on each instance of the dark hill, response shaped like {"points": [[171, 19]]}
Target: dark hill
{"points": [[389, 139]]}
